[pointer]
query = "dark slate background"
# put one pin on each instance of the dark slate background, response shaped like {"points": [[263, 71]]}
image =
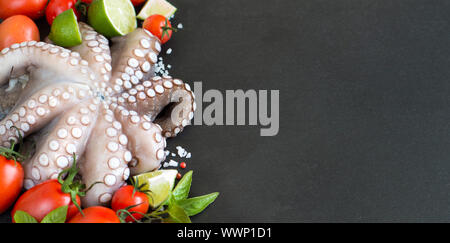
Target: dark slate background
{"points": [[364, 96]]}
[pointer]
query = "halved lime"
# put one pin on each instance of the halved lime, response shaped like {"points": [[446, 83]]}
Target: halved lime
{"points": [[112, 17], [153, 7], [65, 31], [160, 183]]}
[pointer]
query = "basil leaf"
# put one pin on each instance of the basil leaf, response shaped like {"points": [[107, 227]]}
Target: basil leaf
{"points": [[23, 217], [168, 220], [196, 205], [177, 214], [181, 191], [56, 216]]}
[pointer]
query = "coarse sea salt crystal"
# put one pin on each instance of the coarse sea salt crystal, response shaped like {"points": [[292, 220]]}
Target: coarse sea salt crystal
{"points": [[181, 151], [169, 51], [173, 163], [180, 26], [160, 68]]}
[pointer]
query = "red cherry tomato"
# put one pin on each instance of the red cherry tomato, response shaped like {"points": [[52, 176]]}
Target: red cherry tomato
{"points": [[17, 29], [96, 215], [55, 7], [31, 8], [159, 26], [138, 2], [124, 198], [44, 198], [11, 180]]}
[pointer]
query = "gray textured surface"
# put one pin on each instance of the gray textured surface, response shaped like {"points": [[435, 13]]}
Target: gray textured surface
{"points": [[364, 108]]}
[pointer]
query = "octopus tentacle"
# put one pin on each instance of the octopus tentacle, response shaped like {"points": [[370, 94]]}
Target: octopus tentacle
{"points": [[17, 58], [151, 97], [146, 142], [105, 160], [39, 109], [68, 136], [95, 50], [133, 58]]}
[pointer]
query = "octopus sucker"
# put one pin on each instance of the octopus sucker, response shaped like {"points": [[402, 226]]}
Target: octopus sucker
{"points": [[98, 104]]}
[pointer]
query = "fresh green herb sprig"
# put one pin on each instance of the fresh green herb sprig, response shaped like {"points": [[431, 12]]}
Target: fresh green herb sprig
{"points": [[178, 207]]}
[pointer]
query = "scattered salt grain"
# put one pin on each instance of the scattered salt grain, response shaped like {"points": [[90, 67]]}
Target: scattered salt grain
{"points": [[160, 68], [169, 51], [181, 151], [180, 26], [173, 163]]}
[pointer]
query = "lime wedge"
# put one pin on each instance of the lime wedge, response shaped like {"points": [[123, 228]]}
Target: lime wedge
{"points": [[112, 17], [65, 31], [160, 183], [153, 7]]}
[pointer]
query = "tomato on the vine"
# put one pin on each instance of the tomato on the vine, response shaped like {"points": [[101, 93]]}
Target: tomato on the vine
{"points": [[11, 178], [159, 26], [96, 214], [131, 199], [52, 194], [55, 7], [44, 198], [31, 8], [17, 29]]}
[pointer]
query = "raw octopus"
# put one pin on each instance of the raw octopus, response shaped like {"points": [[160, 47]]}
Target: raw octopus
{"points": [[104, 105]]}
